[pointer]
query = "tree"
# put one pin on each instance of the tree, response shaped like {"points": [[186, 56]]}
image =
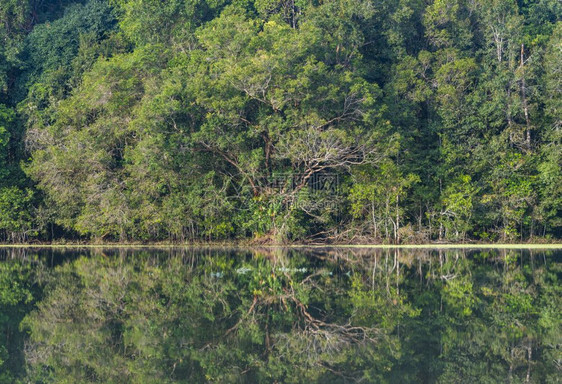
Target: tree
{"points": [[550, 175], [376, 196]]}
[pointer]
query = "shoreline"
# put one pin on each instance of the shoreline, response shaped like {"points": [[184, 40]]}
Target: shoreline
{"points": [[317, 246]]}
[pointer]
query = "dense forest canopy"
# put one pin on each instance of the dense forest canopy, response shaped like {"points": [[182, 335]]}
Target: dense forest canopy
{"points": [[336, 120]]}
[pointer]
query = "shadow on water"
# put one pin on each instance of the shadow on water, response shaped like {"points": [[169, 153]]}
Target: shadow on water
{"points": [[324, 315]]}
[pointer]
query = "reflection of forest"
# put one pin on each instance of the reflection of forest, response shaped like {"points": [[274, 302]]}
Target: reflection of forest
{"points": [[279, 315]]}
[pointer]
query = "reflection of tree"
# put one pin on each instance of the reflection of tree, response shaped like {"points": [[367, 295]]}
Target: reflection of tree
{"points": [[16, 298], [271, 315], [114, 319], [492, 321]]}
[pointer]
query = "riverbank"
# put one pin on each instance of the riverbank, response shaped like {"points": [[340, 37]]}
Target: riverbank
{"points": [[249, 245]]}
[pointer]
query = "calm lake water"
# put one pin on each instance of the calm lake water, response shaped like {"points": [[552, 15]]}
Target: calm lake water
{"points": [[280, 316]]}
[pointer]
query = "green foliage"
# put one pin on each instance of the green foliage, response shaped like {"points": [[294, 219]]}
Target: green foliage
{"points": [[150, 22], [550, 168], [51, 47], [15, 213], [148, 120], [376, 195], [458, 207], [6, 118]]}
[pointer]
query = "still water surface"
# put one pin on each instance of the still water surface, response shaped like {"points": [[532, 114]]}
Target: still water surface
{"points": [[276, 315]]}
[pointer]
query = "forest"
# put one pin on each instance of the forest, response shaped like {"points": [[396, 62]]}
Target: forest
{"points": [[279, 121]]}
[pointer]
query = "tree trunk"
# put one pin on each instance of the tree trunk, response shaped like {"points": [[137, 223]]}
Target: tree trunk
{"points": [[396, 235], [374, 218], [524, 99]]}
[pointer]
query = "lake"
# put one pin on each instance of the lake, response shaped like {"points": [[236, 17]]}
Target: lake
{"points": [[280, 315]]}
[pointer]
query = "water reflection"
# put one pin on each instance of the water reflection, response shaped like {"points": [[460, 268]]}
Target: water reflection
{"points": [[280, 315]]}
